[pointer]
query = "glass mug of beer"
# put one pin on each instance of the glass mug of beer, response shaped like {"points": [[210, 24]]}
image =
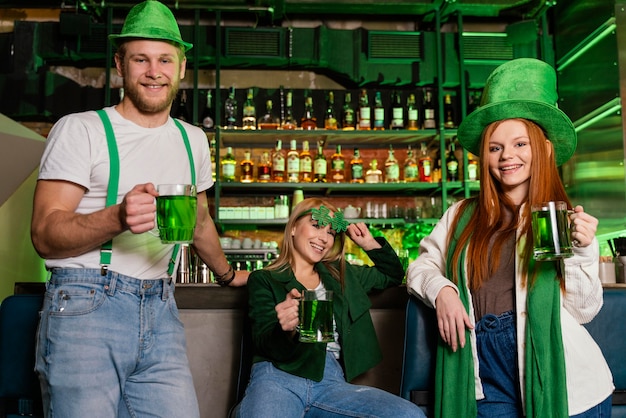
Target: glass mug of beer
{"points": [[551, 231], [316, 316], [177, 209]]}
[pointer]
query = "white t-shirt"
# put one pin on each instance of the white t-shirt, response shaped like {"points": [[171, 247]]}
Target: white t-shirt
{"points": [[76, 151]]}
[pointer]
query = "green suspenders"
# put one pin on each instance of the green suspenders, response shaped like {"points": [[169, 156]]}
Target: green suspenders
{"points": [[106, 250]]}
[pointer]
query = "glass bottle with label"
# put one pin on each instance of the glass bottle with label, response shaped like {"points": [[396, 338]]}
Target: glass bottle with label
{"points": [[309, 121], [181, 111], [293, 163], [347, 115], [452, 163], [397, 112], [429, 111], [356, 167], [435, 173], [425, 164], [269, 120], [264, 169], [230, 110], [306, 163], [338, 166], [320, 166], [449, 112], [392, 168], [208, 115], [379, 113], [228, 165], [289, 123], [472, 167], [212, 152], [330, 118], [373, 174], [246, 167], [249, 111], [410, 167], [278, 163], [412, 113], [365, 120]]}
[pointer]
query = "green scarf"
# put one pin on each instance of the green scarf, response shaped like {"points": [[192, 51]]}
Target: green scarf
{"points": [[546, 392]]}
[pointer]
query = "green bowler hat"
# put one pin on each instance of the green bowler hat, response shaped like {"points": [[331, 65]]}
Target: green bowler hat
{"points": [[150, 20], [521, 88]]}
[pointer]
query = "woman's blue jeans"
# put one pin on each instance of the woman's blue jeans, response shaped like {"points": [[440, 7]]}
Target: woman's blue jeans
{"points": [[273, 393], [112, 346], [497, 354]]}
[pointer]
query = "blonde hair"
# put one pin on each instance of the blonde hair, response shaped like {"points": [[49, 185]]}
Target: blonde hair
{"points": [[334, 260]]}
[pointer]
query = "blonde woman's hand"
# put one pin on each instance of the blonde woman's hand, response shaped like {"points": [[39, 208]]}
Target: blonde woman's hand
{"points": [[452, 319], [583, 227], [360, 234], [288, 313]]}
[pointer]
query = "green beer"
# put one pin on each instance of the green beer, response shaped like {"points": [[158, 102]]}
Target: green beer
{"points": [[176, 213], [550, 223], [316, 318]]}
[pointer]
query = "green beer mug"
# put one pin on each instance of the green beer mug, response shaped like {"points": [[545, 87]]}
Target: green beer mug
{"points": [[316, 316], [551, 231], [177, 209]]}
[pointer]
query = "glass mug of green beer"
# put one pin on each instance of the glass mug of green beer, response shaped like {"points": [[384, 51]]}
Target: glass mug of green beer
{"points": [[316, 316], [177, 208], [551, 231]]}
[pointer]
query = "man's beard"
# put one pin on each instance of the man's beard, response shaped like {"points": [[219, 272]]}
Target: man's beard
{"points": [[150, 106]]}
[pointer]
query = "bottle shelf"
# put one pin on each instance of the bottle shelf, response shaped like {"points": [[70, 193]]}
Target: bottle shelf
{"points": [[362, 139], [239, 224], [330, 188]]}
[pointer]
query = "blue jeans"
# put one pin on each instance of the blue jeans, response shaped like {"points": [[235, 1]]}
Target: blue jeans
{"points": [[112, 346], [497, 355], [273, 393]]}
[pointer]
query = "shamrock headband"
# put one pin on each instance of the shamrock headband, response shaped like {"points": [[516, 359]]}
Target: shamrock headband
{"points": [[322, 216]]}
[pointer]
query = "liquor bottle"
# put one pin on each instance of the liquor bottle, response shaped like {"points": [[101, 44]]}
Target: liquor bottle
{"points": [[472, 167], [230, 110], [320, 166], [228, 164], [429, 111], [289, 123], [293, 163], [365, 123], [247, 168], [410, 167], [208, 115], [181, 112], [249, 111], [435, 174], [121, 94], [425, 164], [338, 166], [269, 120], [278, 163], [449, 112], [379, 113], [264, 169], [212, 151], [452, 164], [330, 118], [356, 167], [473, 100], [397, 112], [373, 174], [308, 122], [306, 164], [347, 113], [412, 113], [392, 168]]}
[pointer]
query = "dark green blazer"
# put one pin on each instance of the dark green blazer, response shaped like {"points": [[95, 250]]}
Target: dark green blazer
{"points": [[359, 345]]}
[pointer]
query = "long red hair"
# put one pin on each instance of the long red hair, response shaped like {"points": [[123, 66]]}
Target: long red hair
{"points": [[489, 220]]}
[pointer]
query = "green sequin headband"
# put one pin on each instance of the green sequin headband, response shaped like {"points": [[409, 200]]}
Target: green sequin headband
{"points": [[322, 216]]}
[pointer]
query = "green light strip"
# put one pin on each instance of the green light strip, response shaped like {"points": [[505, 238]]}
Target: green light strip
{"points": [[486, 34], [598, 114], [596, 36]]}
